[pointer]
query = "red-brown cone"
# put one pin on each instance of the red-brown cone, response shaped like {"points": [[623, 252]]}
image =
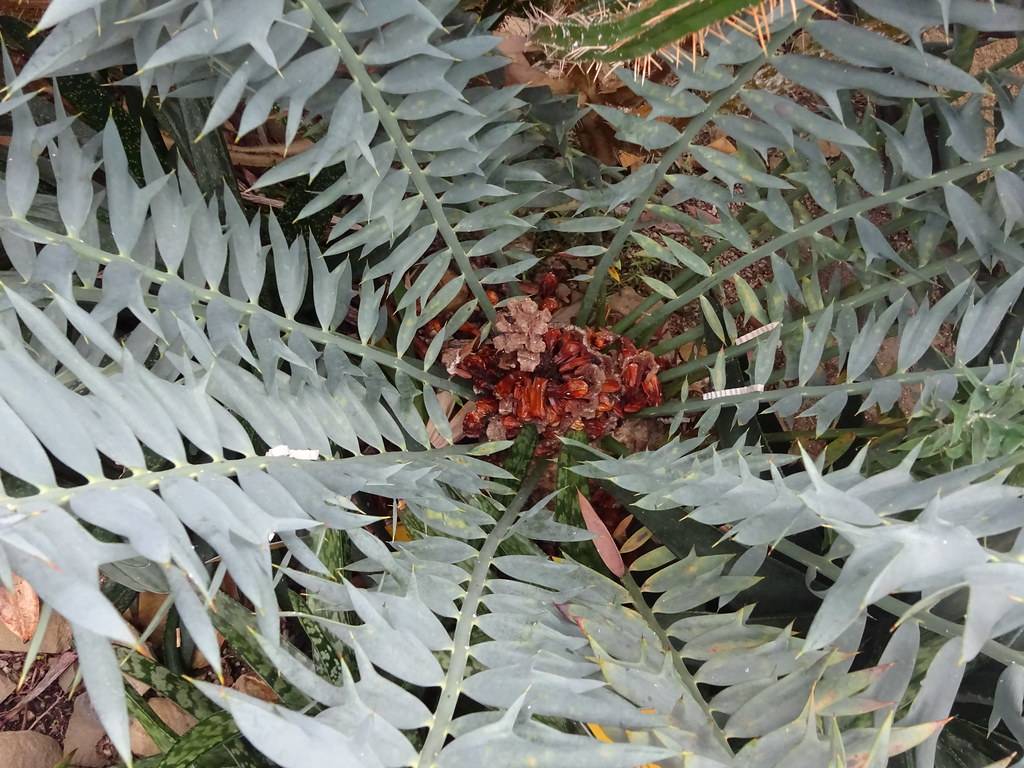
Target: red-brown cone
{"points": [[558, 378]]}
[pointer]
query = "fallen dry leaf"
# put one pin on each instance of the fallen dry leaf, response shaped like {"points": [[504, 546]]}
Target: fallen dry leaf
{"points": [[56, 668], [722, 144], [27, 749], [56, 638], [519, 71], [829, 149], [624, 301], [254, 686], [258, 155], [6, 687], [266, 155], [630, 160], [447, 403], [146, 609], [173, 716], [19, 610], [201, 662], [84, 734]]}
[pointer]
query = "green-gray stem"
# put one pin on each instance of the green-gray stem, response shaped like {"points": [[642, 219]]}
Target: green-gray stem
{"points": [[858, 299], [225, 467], [898, 608], [389, 122], [452, 686], [840, 214], [36, 233], [668, 159], [855, 388], [640, 604]]}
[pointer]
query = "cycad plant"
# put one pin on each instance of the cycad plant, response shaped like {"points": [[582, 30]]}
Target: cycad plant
{"points": [[192, 390], [607, 34]]}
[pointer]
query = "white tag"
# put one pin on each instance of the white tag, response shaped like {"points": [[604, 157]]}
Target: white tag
{"points": [[757, 332], [302, 454], [733, 391]]}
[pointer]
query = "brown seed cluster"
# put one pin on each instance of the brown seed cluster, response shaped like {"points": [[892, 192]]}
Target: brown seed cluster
{"points": [[558, 378]]}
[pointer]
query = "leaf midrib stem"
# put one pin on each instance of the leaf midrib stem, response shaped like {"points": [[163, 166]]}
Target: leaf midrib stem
{"points": [[640, 604], [791, 327], [452, 686], [389, 122], [1008, 157], [853, 388], [226, 467], [208, 295], [935, 624], [672, 154]]}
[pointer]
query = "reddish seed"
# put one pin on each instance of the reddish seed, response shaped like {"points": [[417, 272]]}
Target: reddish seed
{"points": [[548, 284], [505, 387], [551, 338], [534, 398], [577, 388], [652, 388], [568, 350], [631, 375], [576, 362], [601, 339], [473, 423], [486, 406]]}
